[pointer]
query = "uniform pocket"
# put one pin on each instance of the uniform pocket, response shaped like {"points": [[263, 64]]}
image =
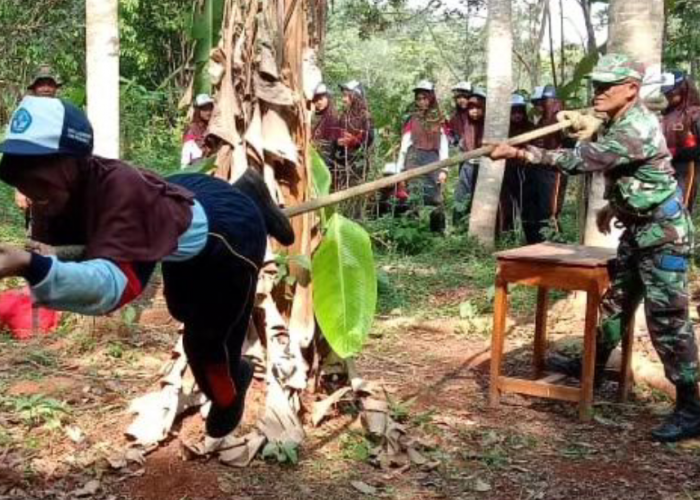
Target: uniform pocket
{"points": [[670, 262]]}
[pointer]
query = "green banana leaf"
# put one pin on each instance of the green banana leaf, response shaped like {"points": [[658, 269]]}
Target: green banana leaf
{"points": [[320, 174], [345, 285], [206, 26]]}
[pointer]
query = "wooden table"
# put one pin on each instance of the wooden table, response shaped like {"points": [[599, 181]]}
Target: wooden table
{"points": [[565, 267]]}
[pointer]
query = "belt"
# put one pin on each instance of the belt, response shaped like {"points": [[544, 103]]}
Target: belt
{"points": [[665, 210]]}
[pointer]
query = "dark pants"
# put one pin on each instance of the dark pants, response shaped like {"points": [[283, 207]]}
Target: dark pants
{"points": [[543, 197], [464, 191], [213, 294], [428, 187]]}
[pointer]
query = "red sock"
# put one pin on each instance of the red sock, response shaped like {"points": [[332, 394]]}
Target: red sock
{"points": [[222, 387]]}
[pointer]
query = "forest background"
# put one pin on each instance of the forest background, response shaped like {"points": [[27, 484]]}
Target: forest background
{"points": [[387, 45]]}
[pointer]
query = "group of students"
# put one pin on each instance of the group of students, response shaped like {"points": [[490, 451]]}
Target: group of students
{"points": [[532, 194], [342, 138]]}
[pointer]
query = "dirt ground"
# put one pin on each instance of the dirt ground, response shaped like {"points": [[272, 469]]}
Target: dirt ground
{"points": [[436, 372]]}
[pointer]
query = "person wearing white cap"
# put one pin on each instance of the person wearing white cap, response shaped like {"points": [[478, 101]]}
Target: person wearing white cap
{"points": [[355, 136], [510, 206], [424, 140], [325, 129], [467, 130], [194, 138]]}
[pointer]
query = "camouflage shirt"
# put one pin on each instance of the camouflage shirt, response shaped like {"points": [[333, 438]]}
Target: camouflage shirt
{"points": [[632, 154]]}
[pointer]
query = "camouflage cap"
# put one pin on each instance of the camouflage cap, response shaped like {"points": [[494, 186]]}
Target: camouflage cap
{"points": [[615, 68], [45, 72]]}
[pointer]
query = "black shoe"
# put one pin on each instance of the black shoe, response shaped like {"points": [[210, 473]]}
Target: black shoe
{"points": [[684, 422], [278, 225], [222, 421]]}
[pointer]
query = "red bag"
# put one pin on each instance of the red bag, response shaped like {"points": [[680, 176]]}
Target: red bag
{"points": [[16, 315]]}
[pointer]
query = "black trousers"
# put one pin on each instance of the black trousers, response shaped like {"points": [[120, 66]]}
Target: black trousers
{"points": [[213, 295]]}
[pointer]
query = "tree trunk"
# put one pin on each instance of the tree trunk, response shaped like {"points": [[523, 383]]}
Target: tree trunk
{"points": [[636, 29], [482, 222], [102, 24], [591, 42]]}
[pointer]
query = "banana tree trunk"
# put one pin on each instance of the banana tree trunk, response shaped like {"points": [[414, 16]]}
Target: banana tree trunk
{"points": [[482, 223]]}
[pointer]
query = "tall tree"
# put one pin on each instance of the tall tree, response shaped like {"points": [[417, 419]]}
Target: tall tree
{"points": [[102, 24], [636, 29], [499, 49]]}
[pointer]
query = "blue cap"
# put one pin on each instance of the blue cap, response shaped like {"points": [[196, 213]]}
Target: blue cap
{"points": [[672, 80], [517, 100], [48, 126], [544, 92]]}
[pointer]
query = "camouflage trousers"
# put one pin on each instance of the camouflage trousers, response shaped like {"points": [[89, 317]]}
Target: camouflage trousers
{"points": [[659, 276]]}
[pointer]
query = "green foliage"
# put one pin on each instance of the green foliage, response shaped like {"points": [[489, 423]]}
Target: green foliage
{"points": [[35, 410], [154, 40], [320, 175], [151, 128], [345, 285], [206, 27], [682, 43], [405, 235], [282, 452]]}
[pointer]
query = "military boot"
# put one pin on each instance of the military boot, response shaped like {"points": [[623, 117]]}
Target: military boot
{"points": [[684, 422], [573, 366], [278, 225]]}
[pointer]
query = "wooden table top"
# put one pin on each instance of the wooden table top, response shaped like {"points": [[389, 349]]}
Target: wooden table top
{"points": [[560, 254]]}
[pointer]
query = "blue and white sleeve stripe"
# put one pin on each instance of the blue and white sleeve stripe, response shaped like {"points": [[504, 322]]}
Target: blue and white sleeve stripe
{"points": [[92, 287]]}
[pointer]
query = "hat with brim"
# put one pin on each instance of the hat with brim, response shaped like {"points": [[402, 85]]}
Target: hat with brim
{"points": [[542, 93], [203, 100], [517, 100], [47, 126], [671, 81], [462, 88], [351, 86], [321, 89], [478, 92], [616, 68], [45, 73], [424, 86]]}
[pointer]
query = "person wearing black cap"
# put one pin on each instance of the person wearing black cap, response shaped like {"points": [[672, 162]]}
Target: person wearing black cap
{"points": [[424, 141], [681, 126], [543, 188], [210, 236]]}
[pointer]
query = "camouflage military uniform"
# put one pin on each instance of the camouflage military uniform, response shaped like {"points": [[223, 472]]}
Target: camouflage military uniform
{"points": [[658, 235]]}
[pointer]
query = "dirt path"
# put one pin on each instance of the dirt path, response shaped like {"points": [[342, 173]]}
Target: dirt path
{"points": [[436, 373]]}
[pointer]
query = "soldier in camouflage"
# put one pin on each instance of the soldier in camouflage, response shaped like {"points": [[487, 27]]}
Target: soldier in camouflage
{"points": [[652, 264]]}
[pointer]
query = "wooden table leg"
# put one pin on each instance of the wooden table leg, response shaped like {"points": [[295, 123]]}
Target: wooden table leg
{"points": [[589, 348], [500, 310], [626, 377], [540, 346]]}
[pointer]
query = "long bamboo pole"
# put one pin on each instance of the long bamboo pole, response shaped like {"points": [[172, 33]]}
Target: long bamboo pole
{"points": [[73, 252], [369, 187]]}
